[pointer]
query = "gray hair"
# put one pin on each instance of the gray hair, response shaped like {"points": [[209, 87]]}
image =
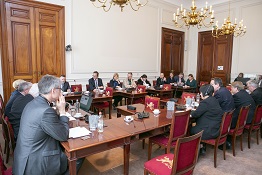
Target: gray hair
{"points": [[47, 83], [34, 90], [17, 82], [252, 83], [24, 86], [218, 81]]}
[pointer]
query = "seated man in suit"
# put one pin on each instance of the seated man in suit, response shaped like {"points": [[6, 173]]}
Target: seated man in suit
{"points": [[129, 82], [42, 128], [171, 79], [255, 91], [95, 82], [65, 87], [161, 80], [241, 98], [15, 86], [191, 82], [18, 107], [179, 79], [143, 80], [223, 95], [23, 89]]}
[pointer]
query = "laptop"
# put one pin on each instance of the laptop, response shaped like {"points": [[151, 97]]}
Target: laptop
{"points": [[85, 102]]}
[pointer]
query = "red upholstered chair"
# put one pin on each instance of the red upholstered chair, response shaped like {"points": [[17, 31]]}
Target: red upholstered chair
{"points": [[87, 87], [167, 87], [178, 129], [154, 82], [229, 88], [255, 125], [103, 105], [221, 139], [4, 170], [183, 160], [187, 95], [140, 89], [152, 102], [238, 130], [108, 84], [201, 83], [76, 88]]}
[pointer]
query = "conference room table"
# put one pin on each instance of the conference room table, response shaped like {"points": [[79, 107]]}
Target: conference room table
{"points": [[160, 92], [129, 95], [117, 133]]}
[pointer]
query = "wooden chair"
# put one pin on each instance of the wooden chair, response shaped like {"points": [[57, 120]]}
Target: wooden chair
{"points": [[76, 88], [186, 95], [201, 83], [87, 87], [238, 130], [221, 139], [103, 105], [178, 129], [140, 89], [167, 87], [152, 102], [3, 169], [183, 160], [154, 82], [229, 88], [255, 125], [2, 104]]}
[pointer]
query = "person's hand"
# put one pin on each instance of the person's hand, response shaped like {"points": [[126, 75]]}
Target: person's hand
{"points": [[189, 108], [60, 104], [164, 78]]}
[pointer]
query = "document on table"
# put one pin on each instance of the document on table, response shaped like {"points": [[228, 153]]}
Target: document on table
{"points": [[70, 117], [78, 132]]}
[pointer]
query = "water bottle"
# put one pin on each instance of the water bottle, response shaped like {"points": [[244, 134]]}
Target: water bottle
{"points": [[100, 125], [198, 98], [77, 106]]}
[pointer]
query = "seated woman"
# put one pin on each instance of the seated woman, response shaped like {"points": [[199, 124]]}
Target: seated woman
{"points": [[208, 115], [191, 82], [115, 83], [171, 79], [240, 75], [143, 81]]}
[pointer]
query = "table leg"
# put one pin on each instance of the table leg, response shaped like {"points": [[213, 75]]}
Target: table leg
{"points": [[126, 159], [118, 113], [110, 108], [72, 167]]}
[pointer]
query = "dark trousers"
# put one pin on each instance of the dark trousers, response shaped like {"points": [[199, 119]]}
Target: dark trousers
{"points": [[117, 99]]}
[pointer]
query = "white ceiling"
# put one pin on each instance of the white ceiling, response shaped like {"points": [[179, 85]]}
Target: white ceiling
{"points": [[199, 3]]}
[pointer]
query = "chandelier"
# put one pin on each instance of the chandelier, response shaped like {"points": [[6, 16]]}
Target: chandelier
{"points": [[106, 4], [183, 18], [229, 28]]}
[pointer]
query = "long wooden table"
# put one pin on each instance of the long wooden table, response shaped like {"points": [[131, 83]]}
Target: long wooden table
{"points": [[129, 95], [117, 133], [161, 92]]}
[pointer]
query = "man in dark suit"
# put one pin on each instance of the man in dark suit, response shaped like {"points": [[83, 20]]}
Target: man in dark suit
{"points": [[38, 149], [161, 80], [223, 95], [95, 82], [241, 98], [23, 89], [65, 87], [179, 79], [256, 92]]}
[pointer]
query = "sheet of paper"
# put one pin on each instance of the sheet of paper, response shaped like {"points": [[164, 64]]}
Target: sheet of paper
{"points": [[78, 132], [70, 117]]}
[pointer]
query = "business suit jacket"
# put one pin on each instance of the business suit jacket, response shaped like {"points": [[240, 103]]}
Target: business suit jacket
{"points": [[16, 112], [208, 118], [257, 95], [140, 82], [92, 84], [170, 80], [177, 79], [160, 81], [225, 99], [38, 149], [192, 84], [10, 103], [65, 86], [242, 98], [126, 83]]}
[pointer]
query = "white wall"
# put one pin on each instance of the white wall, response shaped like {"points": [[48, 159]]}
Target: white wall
{"points": [[126, 41]]}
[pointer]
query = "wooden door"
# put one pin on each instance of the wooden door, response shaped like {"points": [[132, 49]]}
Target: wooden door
{"points": [[33, 41], [214, 57], [172, 54]]}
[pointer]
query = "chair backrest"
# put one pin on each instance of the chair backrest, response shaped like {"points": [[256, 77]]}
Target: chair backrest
{"points": [[2, 106], [229, 88], [141, 88], [225, 125], [152, 102], [167, 87], [2, 165], [108, 84], [154, 82], [10, 132], [179, 126], [87, 87], [5, 129], [201, 83], [186, 154], [242, 118], [109, 91], [76, 88], [257, 116], [186, 95]]}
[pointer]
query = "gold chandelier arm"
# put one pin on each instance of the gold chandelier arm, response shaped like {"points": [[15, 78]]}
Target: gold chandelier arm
{"points": [[103, 5], [101, 1], [138, 6]]}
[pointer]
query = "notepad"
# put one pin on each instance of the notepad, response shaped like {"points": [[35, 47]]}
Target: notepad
{"points": [[70, 117], [78, 132]]}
